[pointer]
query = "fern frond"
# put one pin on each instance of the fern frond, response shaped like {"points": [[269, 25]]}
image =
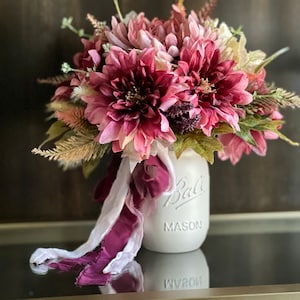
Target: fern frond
{"points": [[287, 99], [72, 114], [75, 120], [276, 97], [267, 102], [74, 150]]}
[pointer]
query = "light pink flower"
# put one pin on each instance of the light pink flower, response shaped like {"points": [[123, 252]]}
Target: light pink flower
{"points": [[132, 95], [234, 147]]}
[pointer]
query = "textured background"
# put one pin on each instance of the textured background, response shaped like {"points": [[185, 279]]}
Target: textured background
{"points": [[33, 46]]}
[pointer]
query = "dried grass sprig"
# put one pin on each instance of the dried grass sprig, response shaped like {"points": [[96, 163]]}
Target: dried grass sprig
{"points": [[207, 9], [75, 150], [55, 80], [98, 26]]}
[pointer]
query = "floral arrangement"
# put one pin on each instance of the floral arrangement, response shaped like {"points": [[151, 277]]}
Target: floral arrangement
{"points": [[139, 88]]}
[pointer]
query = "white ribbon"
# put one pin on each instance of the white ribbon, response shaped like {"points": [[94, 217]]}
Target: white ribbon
{"points": [[110, 212]]}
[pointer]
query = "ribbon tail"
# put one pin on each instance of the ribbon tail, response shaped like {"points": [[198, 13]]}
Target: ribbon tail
{"points": [[111, 209], [110, 212], [128, 254]]}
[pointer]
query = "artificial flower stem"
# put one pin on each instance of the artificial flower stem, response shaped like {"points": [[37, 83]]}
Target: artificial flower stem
{"points": [[67, 23], [117, 6], [66, 68], [271, 58]]}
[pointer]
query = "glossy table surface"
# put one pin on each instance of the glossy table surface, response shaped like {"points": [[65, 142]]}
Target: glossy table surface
{"points": [[241, 251]]}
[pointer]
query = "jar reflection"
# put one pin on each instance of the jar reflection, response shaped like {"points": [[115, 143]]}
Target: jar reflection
{"points": [[174, 271]]}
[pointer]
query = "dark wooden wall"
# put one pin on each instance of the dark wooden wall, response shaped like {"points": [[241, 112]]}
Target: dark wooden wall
{"points": [[34, 46]]}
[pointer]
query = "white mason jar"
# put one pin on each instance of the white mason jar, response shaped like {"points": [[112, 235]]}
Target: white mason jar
{"points": [[180, 221]]}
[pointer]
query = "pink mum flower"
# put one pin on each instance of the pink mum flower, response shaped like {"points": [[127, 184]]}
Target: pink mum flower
{"points": [[137, 34], [215, 88], [166, 36], [132, 94]]}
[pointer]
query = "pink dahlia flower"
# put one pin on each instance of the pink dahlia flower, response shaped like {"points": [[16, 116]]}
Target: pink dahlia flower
{"points": [[215, 87], [132, 94]]}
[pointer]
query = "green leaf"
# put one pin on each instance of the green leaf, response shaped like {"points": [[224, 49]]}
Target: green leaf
{"points": [[260, 123], [88, 167], [203, 145], [285, 138], [56, 130], [223, 128], [246, 135]]}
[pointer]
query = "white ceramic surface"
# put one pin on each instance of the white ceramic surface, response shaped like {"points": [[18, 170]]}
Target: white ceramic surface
{"points": [[181, 221]]}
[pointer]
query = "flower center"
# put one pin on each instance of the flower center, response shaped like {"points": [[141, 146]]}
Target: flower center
{"points": [[205, 87], [134, 96]]}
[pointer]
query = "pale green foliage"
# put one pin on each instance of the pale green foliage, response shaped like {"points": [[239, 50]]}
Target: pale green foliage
{"points": [[200, 143], [259, 123]]}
